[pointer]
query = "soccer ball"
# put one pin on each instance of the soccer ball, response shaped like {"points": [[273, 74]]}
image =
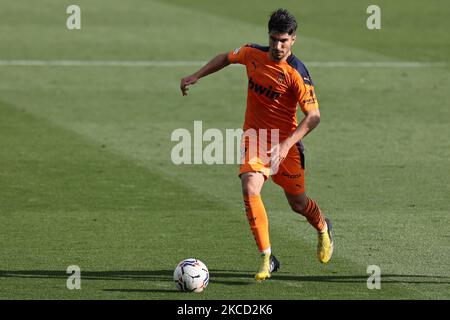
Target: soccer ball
{"points": [[191, 275]]}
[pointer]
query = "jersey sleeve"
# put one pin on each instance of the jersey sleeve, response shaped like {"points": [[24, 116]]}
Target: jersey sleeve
{"points": [[239, 55], [304, 92]]}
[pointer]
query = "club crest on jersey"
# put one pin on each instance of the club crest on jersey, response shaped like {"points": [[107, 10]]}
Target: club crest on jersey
{"points": [[281, 78]]}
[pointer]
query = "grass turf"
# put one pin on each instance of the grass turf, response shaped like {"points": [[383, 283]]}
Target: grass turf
{"points": [[86, 176]]}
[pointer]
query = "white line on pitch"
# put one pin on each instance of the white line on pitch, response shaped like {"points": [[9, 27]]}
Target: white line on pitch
{"points": [[160, 63], [99, 63]]}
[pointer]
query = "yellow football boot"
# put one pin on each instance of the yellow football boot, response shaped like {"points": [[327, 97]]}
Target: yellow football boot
{"points": [[325, 245], [269, 264]]}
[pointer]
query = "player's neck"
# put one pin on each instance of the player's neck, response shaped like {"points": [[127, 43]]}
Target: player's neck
{"points": [[282, 59]]}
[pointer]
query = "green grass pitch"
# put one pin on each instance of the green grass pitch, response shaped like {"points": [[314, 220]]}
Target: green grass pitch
{"points": [[85, 171]]}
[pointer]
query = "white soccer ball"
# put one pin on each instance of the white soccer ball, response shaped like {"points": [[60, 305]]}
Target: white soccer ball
{"points": [[191, 275]]}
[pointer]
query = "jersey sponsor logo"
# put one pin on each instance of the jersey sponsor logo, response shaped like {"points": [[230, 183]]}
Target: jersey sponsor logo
{"points": [[261, 90], [311, 99]]}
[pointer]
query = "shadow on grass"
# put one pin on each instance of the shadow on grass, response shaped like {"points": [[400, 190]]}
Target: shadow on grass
{"points": [[227, 277], [362, 278], [143, 290]]}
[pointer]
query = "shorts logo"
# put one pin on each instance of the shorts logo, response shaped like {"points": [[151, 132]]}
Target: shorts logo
{"points": [[291, 176]]}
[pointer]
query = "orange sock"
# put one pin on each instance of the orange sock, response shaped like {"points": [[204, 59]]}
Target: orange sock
{"points": [[314, 215], [257, 218]]}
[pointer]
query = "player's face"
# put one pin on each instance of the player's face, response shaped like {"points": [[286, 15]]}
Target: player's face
{"points": [[280, 45]]}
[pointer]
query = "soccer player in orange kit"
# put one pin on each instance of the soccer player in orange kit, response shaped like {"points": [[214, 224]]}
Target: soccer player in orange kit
{"points": [[277, 82]]}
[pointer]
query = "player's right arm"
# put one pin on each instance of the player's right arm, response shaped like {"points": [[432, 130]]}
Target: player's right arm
{"points": [[217, 63], [238, 55]]}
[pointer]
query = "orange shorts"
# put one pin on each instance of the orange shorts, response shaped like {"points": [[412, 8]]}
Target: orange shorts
{"points": [[290, 174]]}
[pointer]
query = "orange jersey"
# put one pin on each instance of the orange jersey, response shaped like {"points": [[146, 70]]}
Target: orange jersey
{"points": [[274, 89]]}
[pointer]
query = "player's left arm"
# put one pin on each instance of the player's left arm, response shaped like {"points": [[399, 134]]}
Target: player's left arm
{"points": [[310, 108], [308, 123], [304, 92]]}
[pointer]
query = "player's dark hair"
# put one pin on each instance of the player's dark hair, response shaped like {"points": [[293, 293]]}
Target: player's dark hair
{"points": [[281, 21]]}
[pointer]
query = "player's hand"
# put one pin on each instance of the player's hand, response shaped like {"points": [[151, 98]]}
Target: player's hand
{"points": [[277, 154], [186, 82]]}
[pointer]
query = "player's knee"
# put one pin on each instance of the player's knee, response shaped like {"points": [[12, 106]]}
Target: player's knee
{"points": [[250, 190], [251, 184]]}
